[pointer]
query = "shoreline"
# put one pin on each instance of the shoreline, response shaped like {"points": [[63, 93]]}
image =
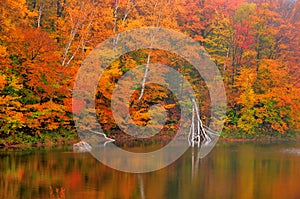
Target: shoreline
{"points": [[221, 139], [257, 140], [39, 145]]}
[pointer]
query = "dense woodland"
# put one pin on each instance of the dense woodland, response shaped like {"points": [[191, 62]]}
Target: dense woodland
{"points": [[255, 44]]}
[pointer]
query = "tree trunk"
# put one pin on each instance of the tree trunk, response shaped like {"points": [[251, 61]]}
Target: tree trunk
{"points": [[59, 8], [40, 16]]}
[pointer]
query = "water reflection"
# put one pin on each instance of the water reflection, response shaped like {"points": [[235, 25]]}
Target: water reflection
{"points": [[230, 171]]}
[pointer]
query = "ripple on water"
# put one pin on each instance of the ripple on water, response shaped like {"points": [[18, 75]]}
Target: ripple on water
{"points": [[292, 151]]}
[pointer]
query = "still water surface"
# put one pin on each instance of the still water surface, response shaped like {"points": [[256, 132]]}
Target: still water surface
{"points": [[231, 170]]}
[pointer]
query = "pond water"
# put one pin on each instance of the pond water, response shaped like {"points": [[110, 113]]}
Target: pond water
{"points": [[231, 170]]}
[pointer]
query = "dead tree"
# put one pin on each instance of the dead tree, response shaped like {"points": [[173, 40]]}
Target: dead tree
{"points": [[199, 134]]}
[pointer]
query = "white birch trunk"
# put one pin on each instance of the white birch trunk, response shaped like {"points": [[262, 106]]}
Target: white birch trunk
{"points": [[149, 54], [40, 16]]}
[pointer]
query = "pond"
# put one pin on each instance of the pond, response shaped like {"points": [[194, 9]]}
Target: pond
{"points": [[231, 170]]}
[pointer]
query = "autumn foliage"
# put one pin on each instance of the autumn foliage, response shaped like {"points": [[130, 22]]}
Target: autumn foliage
{"points": [[255, 44]]}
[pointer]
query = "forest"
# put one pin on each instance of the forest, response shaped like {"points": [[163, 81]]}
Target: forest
{"points": [[254, 43]]}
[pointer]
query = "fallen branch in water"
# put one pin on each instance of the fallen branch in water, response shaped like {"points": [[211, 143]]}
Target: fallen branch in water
{"points": [[105, 136]]}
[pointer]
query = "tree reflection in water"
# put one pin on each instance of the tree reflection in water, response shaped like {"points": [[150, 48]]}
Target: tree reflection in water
{"points": [[230, 171]]}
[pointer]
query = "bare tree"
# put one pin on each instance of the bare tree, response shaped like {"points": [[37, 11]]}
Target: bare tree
{"points": [[199, 133]]}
